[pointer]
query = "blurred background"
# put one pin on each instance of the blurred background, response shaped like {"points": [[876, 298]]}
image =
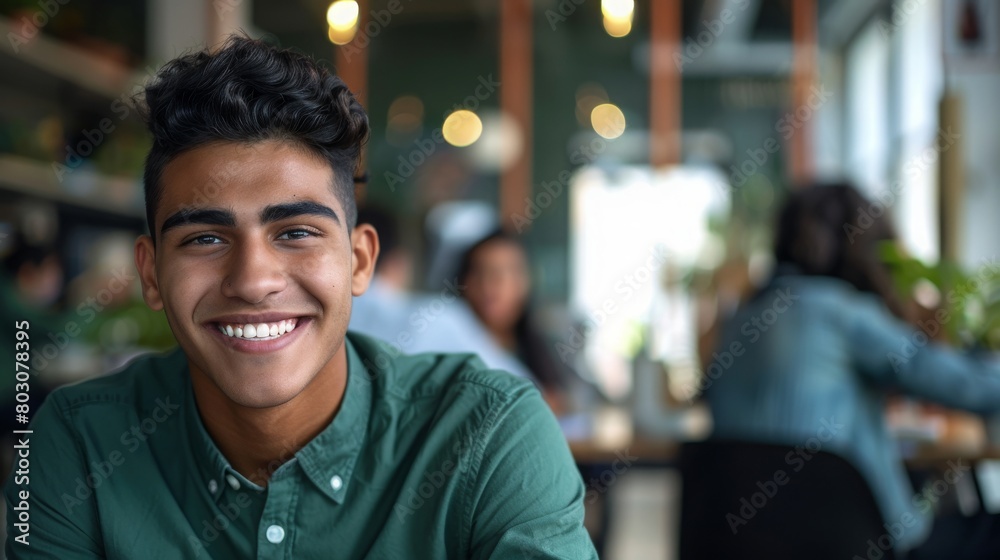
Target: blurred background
{"points": [[635, 152]]}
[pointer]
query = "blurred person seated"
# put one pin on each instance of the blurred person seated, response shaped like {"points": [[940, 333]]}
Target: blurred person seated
{"points": [[272, 431], [33, 275], [815, 353], [495, 281], [413, 323]]}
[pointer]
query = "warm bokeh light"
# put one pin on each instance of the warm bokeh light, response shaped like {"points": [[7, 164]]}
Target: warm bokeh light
{"points": [[618, 9], [342, 16], [608, 120], [340, 37], [406, 105], [405, 119], [588, 96], [501, 143], [617, 27], [462, 128], [618, 16]]}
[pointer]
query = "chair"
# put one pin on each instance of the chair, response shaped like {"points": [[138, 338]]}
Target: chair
{"points": [[752, 500]]}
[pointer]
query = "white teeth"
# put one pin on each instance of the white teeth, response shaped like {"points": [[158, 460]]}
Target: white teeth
{"points": [[261, 331]]}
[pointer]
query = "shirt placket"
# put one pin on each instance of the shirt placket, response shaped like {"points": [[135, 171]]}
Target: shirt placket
{"points": [[276, 529]]}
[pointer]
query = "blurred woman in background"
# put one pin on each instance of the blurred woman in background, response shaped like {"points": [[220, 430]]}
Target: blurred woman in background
{"points": [[825, 343], [496, 283]]}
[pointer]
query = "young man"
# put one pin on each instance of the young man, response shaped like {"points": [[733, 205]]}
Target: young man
{"points": [[272, 432]]}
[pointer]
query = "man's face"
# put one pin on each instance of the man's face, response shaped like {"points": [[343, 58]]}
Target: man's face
{"points": [[254, 267]]}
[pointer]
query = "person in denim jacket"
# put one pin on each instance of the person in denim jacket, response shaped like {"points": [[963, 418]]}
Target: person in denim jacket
{"points": [[824, 343]]}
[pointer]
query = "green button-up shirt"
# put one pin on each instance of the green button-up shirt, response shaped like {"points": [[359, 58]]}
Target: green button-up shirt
{"points": [[429, 456]]}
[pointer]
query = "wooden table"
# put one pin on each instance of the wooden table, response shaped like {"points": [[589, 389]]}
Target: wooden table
{"points": [[644, 450]]}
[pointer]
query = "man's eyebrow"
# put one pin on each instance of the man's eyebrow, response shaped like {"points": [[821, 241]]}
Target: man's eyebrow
{"points": [[205, 216], [276, 212]]}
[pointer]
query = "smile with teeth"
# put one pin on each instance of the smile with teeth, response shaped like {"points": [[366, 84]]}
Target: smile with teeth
{"points": [[259, 331]]}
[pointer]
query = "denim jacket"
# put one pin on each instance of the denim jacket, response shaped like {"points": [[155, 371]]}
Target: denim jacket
{"points": [[809, 362]]}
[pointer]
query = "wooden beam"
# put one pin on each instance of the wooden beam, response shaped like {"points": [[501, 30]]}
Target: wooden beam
{"points": [[224, 18], [351, 62], [664, 83], [516, 100], [804, 40], [351, 59], [951, 181]]}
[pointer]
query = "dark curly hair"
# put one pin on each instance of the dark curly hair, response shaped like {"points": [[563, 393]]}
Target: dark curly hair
{"points": [[821, 232], [249, 91]]}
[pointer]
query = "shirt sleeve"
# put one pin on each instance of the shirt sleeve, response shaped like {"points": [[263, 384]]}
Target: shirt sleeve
{"points": [[62, 521], [527, 495], [893, 353]]}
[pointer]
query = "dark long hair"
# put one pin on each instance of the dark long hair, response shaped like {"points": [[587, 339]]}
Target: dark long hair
{"points": [[532, 347], [832, 230]]}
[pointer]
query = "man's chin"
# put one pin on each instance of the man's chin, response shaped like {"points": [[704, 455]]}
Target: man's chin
{"points": [[253, 386], [261, 398]]}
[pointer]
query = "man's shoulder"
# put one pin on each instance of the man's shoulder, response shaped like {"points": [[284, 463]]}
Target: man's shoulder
{"points": [[137, 385], [432, 374]]}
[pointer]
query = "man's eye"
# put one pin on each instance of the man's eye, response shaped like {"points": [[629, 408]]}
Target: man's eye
{"points": [[205, 240], [295, 234]]}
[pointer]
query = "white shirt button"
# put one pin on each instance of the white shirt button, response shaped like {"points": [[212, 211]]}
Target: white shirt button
{"points": [[233, 483], [275, 534], [336, 483], [212, 486]]}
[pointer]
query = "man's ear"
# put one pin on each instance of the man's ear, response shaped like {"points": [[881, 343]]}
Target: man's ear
{"points": [[365, 247], [145, 262]]}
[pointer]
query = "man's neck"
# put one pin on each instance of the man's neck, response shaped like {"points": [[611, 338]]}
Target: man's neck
{"points": [[257, 441]]}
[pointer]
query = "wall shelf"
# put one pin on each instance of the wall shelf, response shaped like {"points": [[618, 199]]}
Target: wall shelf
{"points": [[83, 188], [68, 63]]}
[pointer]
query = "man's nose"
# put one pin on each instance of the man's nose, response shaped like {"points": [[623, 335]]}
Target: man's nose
{"points": [[255, 272]]}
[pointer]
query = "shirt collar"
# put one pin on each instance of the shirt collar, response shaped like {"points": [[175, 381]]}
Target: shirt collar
{"points": [[328, 459], [207, 457]]}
